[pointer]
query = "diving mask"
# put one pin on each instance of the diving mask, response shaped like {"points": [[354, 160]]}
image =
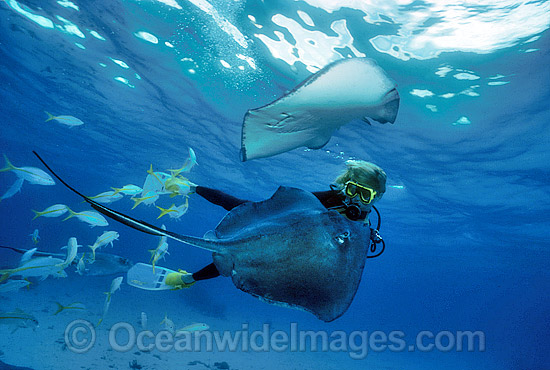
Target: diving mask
{"points": [[352, 189]]}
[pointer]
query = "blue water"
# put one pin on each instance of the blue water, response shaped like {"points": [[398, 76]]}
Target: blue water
{"points": [[465, 217]]}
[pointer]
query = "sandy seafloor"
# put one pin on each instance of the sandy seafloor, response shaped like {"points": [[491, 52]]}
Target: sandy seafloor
{"points": [[45, 347]]}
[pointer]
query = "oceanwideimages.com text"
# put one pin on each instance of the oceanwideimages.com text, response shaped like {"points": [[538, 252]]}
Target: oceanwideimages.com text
{"points": [[80, 337]]}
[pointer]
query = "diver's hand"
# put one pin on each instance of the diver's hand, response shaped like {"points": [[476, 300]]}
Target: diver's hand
{"points": [[192, 187]]}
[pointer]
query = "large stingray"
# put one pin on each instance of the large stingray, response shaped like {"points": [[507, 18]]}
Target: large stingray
{"points": [[291, 250], [308, 115], [288, 250]]}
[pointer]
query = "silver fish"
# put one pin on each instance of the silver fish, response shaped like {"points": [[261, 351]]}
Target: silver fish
{"points": [[18, 319], [105, 263]]}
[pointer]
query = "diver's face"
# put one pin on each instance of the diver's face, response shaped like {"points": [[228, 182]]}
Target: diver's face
{"points": [[362, 206], [363, 193], [356, 201]]}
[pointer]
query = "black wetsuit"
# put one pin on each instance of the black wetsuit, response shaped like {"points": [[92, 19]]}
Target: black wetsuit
{"points": [[331, 199]]}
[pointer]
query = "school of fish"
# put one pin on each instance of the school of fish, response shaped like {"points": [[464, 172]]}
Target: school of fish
{"points": [[36, 266]]}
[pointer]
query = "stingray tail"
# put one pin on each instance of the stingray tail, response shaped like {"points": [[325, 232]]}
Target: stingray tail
{"points": [[18, 250], [137, 224]]}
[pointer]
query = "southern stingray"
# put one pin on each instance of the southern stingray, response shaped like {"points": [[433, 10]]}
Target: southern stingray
{"points": [[307, 116], [287, 250]]}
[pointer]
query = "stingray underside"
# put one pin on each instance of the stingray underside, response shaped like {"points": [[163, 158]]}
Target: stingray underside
{"points": [[345, 90], [295, 253]]}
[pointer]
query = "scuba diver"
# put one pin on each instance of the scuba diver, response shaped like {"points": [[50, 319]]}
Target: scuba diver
{"points": [[353, 194]]}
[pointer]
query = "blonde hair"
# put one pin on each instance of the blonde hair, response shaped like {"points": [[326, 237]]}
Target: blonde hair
{"points": [[364, 173]]}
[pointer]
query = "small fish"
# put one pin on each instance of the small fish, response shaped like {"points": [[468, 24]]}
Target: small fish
{"points": [[106, 306], [27, 256], [178, 186], [153, 176], [199, 326], [160, 250], [52, 211], [148, 199], [163, 238], [158, 253], [188, 165], [107, 197], [93, 248], [72, 249], [34, 236], [18, 319], [115, 285], [72, 306], [31, 174], [106, 238], [168, 324], [128, 189], [40, 267], [81, 266], [12, 285], [90, 217], [14, 189], [154, 183], [65, 120], [173, 211]]}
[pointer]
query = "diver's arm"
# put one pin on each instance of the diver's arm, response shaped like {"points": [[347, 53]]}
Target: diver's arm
{"points": [[207, 272], [333, 199], [329, 198], [228, 202]]}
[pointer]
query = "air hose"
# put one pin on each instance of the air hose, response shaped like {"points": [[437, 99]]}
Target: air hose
{"points": [[375, 238]]}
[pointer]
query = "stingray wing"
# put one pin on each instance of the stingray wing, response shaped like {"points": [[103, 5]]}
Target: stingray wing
{"points": [[308, 115], [250, 218], [289, 250]]}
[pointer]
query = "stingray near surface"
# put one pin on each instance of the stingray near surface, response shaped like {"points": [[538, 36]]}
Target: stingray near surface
{"points": [[307, 116], [287, 250]]}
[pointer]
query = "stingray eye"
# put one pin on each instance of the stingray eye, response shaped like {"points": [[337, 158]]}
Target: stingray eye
{"points": [[342, 237]]}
